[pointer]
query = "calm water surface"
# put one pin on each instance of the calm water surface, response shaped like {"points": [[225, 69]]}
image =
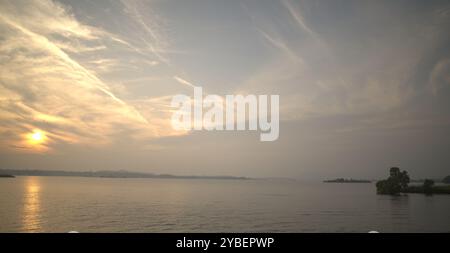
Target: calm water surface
{"points": [[61, 204]]}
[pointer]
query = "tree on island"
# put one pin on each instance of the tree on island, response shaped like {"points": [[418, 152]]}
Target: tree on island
{"points": [[395, 183], [428, 186]]}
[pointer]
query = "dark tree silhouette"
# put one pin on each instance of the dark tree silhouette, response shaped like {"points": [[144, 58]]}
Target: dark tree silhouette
{"points": [[397, 182], [428, 186]]}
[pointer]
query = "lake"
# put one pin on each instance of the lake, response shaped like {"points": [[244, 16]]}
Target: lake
{"points": [[62, 204]]}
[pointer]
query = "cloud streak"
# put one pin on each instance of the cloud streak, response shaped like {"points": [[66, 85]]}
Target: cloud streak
{"points": [[296, 14]]}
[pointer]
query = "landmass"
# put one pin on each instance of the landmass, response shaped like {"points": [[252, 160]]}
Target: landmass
{"points": [[436, 189], [108, 174], [6, 175], [344, 180], [398, 183]]}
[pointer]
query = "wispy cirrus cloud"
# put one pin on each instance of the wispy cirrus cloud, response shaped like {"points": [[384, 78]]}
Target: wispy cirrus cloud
{"points": [[152, 38], [297, 16], [43, 86], [323, 69]]}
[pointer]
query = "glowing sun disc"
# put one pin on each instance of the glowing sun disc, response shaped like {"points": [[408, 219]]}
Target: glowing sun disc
{"points": [[36, 137]]}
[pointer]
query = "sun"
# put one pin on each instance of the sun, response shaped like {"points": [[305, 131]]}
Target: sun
{"points": [[36, 137], [36, 140]]}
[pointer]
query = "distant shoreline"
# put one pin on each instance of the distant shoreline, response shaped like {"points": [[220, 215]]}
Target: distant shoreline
{"points": [[109, 174]]}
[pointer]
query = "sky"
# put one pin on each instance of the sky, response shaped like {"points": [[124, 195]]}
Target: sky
{"points": [[363, 85]]}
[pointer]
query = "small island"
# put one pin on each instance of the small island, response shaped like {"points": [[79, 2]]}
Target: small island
{"points": [[6, 176], [344, 180], [398, 181]]}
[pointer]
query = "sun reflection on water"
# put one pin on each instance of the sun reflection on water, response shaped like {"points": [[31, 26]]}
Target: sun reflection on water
{"points": [[31, 205]]}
